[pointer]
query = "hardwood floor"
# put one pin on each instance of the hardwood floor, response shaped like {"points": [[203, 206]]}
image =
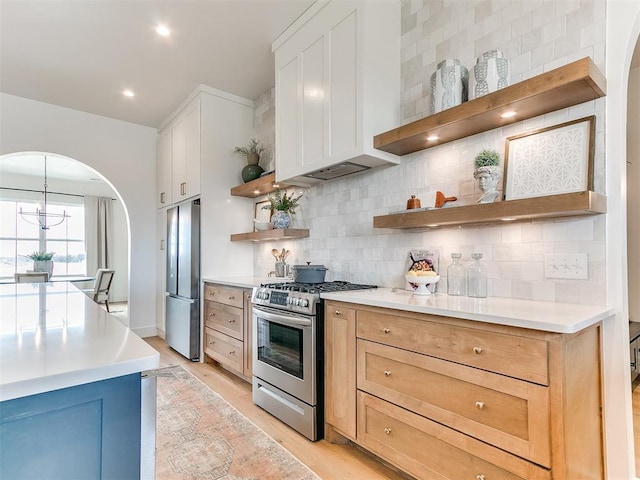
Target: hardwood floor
{"points": [[328, 461], [636, 426]]}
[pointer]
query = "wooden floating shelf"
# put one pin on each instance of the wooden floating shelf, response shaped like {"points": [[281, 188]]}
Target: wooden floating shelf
{"points": [[258, 187], [274, 234], [563, 87], [553, 206]]}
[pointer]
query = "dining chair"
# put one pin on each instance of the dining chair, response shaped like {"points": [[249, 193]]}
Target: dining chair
{"points": [[31, 277], [100, 291]]}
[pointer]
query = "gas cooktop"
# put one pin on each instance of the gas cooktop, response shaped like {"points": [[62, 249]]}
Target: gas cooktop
{"points": [[317, 288]]}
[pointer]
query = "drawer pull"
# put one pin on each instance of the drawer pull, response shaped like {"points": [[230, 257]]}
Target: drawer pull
{"points": [[338, 313], [387, 430], [231, 297], [211, 314], [232, 352], [386, 330], [479, 405], [480, 477], [387, 373], [231, 320], [477, 350]]}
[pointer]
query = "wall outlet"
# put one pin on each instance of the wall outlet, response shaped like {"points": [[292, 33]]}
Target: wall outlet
{"points": [[566, 265]]}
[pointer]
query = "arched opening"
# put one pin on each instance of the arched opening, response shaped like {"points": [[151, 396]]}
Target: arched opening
{"points": [[79, 204]]}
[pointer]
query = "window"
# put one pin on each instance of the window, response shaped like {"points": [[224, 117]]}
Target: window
{"points": [[19, 238]]}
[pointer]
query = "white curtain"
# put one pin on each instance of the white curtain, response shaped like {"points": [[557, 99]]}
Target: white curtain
{"points": [[98, 232]]}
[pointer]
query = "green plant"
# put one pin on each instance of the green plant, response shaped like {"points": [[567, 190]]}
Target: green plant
{"points": [[252, 148], [487, 158], [283, 202], [41, 256]]}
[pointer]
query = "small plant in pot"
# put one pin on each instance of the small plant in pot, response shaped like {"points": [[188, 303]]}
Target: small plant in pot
{"points": [[42, 261], [487, 171], [252, 153], [283, 205]]}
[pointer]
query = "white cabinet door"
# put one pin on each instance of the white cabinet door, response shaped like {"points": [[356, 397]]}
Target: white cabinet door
{"points": [[186, 153], [163, 166], [337, 85], [161, 261]]}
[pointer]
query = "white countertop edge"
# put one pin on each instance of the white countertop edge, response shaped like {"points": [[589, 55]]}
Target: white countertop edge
{"points": [[567, 325], [34, 386], [244, 282]]}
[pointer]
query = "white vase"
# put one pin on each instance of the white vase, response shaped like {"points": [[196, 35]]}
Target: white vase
{"points": [[449, 85], [43, 266], [490, 73]]}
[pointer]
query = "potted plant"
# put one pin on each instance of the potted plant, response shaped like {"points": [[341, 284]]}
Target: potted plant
{"points": [[283, 205], [487, 172], [252, 153], [42, 262]]}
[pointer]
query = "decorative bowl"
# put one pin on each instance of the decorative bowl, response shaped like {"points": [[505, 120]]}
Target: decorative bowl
{"points": [[263, 225], [422, 283]]}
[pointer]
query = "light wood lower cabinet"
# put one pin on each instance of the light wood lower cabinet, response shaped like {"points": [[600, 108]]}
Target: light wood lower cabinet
{"points": [[445, 398], [227, 327]]}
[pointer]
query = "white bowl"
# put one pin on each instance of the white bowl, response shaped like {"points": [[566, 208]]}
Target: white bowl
{"points": [[263, 225], [422, 283]]}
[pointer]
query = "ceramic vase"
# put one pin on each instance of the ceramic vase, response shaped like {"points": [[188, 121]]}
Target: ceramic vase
{"points": [[251, 172], [43, 266], [281, 219], [449, 85], [490, 73]]}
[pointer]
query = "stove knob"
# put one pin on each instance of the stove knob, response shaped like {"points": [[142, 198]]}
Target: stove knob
{"points": [[289, 300], [304, 302]]}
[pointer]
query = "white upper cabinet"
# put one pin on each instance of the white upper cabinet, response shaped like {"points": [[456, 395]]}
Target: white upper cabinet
{"points": [[163, 149], [337, 85], [185, 149]]}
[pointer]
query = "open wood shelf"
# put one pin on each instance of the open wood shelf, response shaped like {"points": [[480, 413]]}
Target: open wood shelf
{"points": [[274, 234], [553, 206], [258, 187], [562, 87]]}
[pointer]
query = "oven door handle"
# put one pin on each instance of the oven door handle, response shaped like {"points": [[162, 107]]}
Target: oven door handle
{"points": [[282, 319]]}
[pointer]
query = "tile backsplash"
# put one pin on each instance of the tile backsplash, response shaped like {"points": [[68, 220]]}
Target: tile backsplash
{"points": [[536, 36]]}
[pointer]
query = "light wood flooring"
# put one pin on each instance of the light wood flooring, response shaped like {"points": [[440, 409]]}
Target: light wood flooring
{"points": [[636, 427], [328, 461]]}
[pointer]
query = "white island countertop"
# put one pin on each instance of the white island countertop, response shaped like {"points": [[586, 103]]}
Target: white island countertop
{"points": [[245, 282], [53, 336], [546, 316]]}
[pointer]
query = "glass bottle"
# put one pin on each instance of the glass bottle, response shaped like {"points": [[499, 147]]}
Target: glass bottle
{"points": [[477, 277], [456, 276]]}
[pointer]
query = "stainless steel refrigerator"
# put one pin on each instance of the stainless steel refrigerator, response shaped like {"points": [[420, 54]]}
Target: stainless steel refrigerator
{"points": [[183, 279]]}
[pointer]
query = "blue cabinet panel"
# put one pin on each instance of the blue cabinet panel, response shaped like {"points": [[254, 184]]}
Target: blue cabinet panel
{"points": [[86, 432]]}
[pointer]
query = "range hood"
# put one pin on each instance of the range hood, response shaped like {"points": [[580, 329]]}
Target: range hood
{"points": [[335, 171]]}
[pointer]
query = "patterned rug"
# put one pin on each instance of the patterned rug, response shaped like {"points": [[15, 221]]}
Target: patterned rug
{"points": [[201, 436]]}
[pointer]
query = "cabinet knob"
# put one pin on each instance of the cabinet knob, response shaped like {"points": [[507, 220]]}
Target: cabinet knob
{"points": [[183, 188], [231, 297], [387, 373], [477, 350], [232, 320], [211, 314], [387, 430], [162, 196], [232, 352], [386, 330], [479, 405], [338, 313], [480, 477]]}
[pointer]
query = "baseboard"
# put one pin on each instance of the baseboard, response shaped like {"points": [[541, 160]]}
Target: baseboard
{"points": [[145, 332]]}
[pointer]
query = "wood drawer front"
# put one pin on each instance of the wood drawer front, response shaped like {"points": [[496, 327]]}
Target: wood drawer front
{"points": [[224, 349], [429, 450], [511, 355], [508, 413], [224, 318], [227, 295]]}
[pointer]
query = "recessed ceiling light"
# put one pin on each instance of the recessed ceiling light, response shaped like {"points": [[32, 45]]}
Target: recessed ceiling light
{"points": [[163, 30], [128, 93], [508, 114], [432, 138]]}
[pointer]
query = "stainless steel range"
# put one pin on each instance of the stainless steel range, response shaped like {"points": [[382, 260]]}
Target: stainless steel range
{"points": [[288, 352]]}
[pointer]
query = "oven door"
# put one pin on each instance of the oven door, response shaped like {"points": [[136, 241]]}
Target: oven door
{"points": [[284, 351]]}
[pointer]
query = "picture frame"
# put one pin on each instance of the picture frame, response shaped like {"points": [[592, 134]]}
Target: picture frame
{"points": [[261, 215], [550, 161]]}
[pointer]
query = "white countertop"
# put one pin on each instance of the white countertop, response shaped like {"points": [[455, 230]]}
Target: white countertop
{"points": [[53, 336], [547, 316], [245, 282]]}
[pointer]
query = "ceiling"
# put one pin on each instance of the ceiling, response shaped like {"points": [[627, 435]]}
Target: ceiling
{"points": [[82, 54]]}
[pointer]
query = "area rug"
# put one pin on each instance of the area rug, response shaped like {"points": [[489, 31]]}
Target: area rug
{"points": [[201, 436]]}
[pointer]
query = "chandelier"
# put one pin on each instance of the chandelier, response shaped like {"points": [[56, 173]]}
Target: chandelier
{"points": [[41, 217]]}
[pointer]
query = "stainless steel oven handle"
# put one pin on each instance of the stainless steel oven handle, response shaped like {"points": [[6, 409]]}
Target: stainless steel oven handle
{"points": [[282, 319]]}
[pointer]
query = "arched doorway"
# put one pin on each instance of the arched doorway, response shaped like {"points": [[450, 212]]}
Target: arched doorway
{"points": [[73, 192]]}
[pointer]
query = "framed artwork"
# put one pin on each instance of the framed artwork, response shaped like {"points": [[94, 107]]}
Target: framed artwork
{"points": [[550, 161], [260, 214]]}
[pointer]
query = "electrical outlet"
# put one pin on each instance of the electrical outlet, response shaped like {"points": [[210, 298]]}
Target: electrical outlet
{"points": [[566, 265]]}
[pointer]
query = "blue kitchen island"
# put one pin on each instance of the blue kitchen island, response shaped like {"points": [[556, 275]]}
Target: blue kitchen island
{"points": [[70, 386]]}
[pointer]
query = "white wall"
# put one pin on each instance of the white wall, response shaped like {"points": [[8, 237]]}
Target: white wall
{"points": [[124, 153], [633, 198]]}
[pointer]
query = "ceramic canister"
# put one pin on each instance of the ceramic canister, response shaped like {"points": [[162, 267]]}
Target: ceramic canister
{"points": [[490, 73], [449, 85]]}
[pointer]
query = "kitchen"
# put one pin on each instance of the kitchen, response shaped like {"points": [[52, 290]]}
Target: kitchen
{"points": [[350, 247]]}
